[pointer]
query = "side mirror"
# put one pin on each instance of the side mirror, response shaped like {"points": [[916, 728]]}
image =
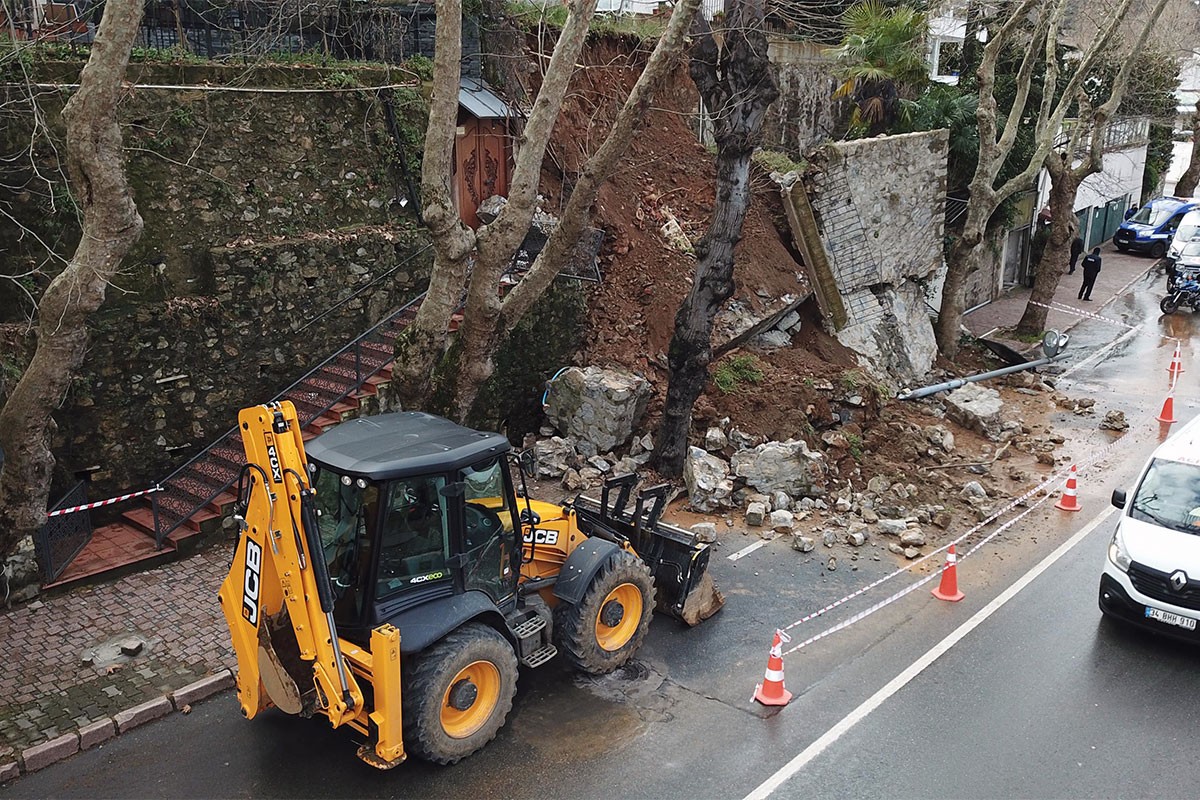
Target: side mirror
{"points": [[1118, 498], [456, 489], [527, 460]]}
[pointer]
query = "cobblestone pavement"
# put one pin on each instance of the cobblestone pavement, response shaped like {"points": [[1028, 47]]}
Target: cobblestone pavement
{"points": [[47, 689]]}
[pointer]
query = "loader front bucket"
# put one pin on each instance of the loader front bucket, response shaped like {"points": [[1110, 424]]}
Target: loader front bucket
{"points": [[678, 562]]}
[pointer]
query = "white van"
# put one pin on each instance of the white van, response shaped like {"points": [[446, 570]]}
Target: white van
{"points": [[1188, 231], [1152, 571]]}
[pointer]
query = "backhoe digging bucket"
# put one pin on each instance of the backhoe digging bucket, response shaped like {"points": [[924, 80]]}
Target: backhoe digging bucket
{"points": [[678, 562]]}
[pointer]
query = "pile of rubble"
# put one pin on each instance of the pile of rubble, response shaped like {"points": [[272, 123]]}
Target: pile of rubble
{"points": [[790, 488]]}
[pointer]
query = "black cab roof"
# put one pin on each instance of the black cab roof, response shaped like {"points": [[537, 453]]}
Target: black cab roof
{"points": [[398, 445]]}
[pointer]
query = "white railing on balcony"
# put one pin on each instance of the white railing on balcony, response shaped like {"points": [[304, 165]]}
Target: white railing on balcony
{"points": [[1121, 133]]}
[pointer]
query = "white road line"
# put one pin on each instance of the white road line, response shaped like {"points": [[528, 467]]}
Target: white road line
{"points": [[767, 787], [747, 550]]}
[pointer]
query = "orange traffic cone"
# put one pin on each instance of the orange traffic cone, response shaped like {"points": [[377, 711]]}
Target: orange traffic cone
{"points": [[1167, 414], [1176, 362], [771, 692], [1069, 500], [948, 589]]}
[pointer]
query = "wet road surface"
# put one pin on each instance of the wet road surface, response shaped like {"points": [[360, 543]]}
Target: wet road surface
{"points": [[1005, 712]]}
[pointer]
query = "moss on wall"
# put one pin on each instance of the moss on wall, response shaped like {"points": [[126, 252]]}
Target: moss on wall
{"points": [[272, 239]]}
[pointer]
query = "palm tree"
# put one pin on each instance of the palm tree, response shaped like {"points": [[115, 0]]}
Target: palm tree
{"points": [[882, 59]]}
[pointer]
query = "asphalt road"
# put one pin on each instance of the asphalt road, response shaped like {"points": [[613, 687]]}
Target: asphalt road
{"points": [[1040, 700]]}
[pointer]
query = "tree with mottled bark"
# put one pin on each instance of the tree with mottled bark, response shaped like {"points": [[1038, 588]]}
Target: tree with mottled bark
{"points": [[737, 87], [1032, 27], [1065, 178], [428, 359], [111, 225], [1186, 185]]}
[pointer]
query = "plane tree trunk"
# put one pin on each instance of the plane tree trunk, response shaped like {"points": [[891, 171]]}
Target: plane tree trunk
{"points": [[737, 87], [111, 225]]}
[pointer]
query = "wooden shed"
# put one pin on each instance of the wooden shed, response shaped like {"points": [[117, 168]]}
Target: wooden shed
{"points": [[483, 150]]}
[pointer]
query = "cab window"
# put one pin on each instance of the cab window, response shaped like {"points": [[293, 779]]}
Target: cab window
{"points": [[489, 529], [414, 546], [346, 511]]}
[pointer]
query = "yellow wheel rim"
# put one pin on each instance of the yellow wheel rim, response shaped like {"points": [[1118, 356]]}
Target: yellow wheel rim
{"points": [[615, 636], [470, 699]]}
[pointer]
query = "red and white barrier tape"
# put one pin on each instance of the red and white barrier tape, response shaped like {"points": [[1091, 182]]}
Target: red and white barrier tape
{"points": [[1043, 487], [1053, 305], [107, 502]]}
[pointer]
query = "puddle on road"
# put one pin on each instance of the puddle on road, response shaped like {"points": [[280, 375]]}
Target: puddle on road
{"points": [[598, 715]]}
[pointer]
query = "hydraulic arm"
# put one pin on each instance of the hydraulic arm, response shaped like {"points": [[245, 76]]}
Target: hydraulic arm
{"points": [[278, 600]]}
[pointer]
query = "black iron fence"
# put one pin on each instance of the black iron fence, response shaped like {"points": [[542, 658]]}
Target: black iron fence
{"points": [[335, 28], [351, 30], [62, 537]]}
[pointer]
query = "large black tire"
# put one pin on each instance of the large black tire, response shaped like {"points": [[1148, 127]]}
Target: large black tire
{"points": [[458, 693], [1169, 304], [605, 628], [1158, 249]]}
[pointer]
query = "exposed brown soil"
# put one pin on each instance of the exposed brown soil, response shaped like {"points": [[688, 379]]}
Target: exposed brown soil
{"points": [[668, 174]]}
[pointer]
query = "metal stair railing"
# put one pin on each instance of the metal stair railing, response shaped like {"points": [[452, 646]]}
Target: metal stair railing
{"points": [[368, 362]]}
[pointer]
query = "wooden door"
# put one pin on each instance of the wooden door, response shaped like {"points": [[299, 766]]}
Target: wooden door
{"points": [[480, 165]]}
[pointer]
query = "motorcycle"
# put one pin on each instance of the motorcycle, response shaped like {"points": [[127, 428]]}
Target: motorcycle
{"points": [[1183, 292]]}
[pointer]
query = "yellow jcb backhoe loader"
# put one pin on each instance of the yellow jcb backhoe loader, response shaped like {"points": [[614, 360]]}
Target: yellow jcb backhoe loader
{"points": [[392, 580]]}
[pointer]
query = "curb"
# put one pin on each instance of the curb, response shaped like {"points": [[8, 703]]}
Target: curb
{"points": [[40, 756]]}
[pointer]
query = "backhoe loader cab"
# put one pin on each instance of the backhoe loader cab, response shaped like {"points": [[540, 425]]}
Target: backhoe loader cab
{"points": [[396, 560], [413, 509]]}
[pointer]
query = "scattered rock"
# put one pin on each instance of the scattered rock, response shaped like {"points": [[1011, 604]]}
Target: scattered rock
{"points": [[706, 532], [857, 538], [941, 519], [598, 406], [781, 521], [831, 564], [1114, 421], [781, 466], [911, 552], [780, 500], [715, 440], [894, 547], [706, 477], [803, 544], [913, 538], [878, 485], [756, 514], [977, 408], [892, 527], [869, 515], [973, 490], [828, 537]]}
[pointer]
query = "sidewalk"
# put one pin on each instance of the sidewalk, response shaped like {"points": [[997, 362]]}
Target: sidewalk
{"points": [[1117, 272], [53, 703]]}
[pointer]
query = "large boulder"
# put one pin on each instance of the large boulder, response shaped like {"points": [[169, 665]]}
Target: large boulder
{"points": [[707, 478], [782, 467], [977, 408], [598, 407]]}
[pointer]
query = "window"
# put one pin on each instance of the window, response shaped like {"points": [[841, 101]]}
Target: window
{"points": [[489, 529], [414, 546], [345, 516], [1169, 496]]}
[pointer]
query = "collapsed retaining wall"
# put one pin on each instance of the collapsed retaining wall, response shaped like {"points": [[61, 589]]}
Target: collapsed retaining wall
{"points": [[878, 208]]}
